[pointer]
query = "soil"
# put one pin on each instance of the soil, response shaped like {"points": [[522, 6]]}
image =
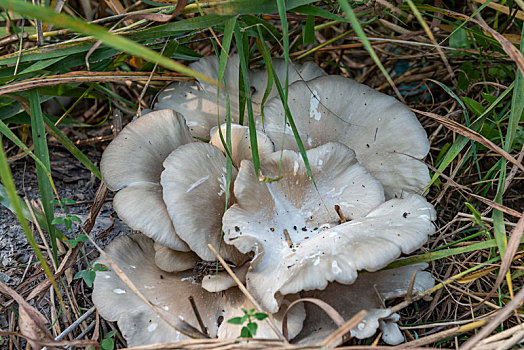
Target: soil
{"points": [[74, 182]]}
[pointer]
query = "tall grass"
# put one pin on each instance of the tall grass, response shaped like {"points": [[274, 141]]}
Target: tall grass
{"points": [[432, 58]]}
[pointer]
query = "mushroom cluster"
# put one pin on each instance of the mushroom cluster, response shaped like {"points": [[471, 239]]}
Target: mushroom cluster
{"points": [[305, 223]]}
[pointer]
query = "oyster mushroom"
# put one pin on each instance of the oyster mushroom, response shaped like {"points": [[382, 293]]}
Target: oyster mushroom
{"points": [[299, 241], [385, 135], [201, 104], [132, 164], [195, 174], [172, 260], [154, 163], [240, 142], [139, 324], [368, 292]]}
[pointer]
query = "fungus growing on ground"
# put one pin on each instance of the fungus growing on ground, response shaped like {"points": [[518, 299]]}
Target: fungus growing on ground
{"points": [[170, 292], [200, 104], [154, 163], [360, 211], [385, 135], [369, 292], [132, 164], [305, 236]]}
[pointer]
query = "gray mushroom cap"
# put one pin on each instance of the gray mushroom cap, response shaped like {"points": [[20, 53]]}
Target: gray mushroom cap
{"points": [[293, 229], [368, 292], [201, 103], [132, 164], [173, 260], [194, 189], [240, 142], [139, 324], [307, 71], [385, 135], [297, 245]]}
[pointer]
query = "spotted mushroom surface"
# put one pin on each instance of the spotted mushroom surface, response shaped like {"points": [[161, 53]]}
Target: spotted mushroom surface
{"points": [[291, 223], [299, 241], [385, 135]]}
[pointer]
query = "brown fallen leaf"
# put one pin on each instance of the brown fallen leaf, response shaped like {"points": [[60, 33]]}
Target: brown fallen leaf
{"points": [[31, 322]]}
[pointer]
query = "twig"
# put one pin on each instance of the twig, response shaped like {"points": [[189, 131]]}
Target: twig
{"points": [[248, 295], [336, 337], [197, 315], [500, 316]]}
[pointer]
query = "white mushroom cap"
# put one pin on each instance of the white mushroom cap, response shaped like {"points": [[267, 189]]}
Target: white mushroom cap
{"points": [[194, 188], [266, 212], [173, 260], [385, 135], [240, 142], [132, 164], [316, 257], [369, 292], [307, 71], [139, 324], [217, 282], [198, 101]]}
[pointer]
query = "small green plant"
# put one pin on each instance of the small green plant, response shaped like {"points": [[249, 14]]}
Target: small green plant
{"points": [[67, 221], [88, 275], [249, 330], [80, 238], [108, 342]]}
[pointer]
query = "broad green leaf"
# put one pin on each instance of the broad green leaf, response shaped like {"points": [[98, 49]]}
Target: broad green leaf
{"points": [[245, 333], [235, 320], [87, 275], [107, 344], [260, 316], [252, 326], [476, 107]]}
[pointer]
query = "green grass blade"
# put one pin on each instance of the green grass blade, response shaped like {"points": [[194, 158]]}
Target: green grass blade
{"points": [[517, 107], [285, 42], [308, 30], [119, 42], [288, 117], [70, 146], [352, 18], [431, 256], [16, 204], [42, 153], [4, 129], [251, 119], [251, 7], [318, 12], [226, 142]]}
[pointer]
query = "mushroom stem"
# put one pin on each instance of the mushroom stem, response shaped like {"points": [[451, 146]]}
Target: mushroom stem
{"points": [[288, 239], [203, 327], [340, 214]]}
